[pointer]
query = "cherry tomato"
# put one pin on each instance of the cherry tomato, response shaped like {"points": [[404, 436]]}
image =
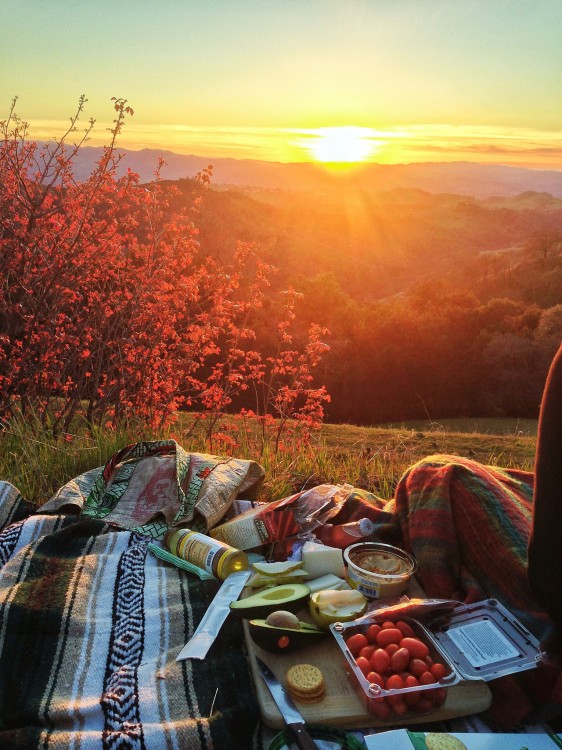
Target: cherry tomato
{"points": [[394, 682], [392, 648], [439, 697], [380, 660], [356, 642], [413, 697], [380, 708], [429, 661], [417, 648], [389, 635], [364, 665], [417, 667], [399, 706], [367, 651], [405, 628], [375, 677], [372, 631], [400, 660], [422, 706], [387, 624], [438, 670], [411, 681], [426, 678]]}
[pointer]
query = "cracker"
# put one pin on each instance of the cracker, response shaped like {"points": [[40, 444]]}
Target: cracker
{"points": [[442, 741], [308, 698], [306, 683], [305, 678]]}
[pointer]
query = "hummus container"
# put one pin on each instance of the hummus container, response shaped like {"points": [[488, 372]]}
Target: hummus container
{"points": [[378, 570], [481, 641]]}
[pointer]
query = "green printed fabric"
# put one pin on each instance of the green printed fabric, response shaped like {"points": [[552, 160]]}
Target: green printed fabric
{"points": [[152, 486]]}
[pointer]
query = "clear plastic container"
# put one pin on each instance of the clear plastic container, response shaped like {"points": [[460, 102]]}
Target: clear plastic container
{"points": [[481, 641]]}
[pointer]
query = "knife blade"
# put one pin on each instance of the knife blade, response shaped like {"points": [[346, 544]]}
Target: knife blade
{"points": [[290, 713]]}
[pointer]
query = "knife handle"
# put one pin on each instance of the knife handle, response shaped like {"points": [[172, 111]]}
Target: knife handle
{"points": [[302, 737]]}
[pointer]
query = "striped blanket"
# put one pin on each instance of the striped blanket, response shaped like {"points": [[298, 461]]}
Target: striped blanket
{"points": [[91, 623]]}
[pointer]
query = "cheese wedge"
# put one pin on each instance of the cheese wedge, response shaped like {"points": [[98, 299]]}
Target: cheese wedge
{"points": [[320, 560]]}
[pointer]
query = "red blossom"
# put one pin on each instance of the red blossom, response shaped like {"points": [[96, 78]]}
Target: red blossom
{"points": [[110, 309]]}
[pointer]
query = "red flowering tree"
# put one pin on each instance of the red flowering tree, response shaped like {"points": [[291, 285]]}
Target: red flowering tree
{"points": [[110, 310]]}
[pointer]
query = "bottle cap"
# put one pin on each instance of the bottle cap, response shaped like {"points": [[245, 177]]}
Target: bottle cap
{"points": [[366, 527]]}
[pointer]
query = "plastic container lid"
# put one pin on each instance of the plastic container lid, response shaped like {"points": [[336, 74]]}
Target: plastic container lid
{"points": [[485, 641]]}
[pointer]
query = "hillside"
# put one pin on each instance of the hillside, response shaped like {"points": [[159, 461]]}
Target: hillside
{"points": [[462, 178], [435, 304], [378, 245], [438, 305]]}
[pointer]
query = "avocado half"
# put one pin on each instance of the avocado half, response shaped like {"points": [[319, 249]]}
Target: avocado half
{"points": [[278, 640], [289, 596]]}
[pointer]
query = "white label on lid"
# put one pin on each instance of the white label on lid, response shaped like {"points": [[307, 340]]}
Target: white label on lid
{"points": [[482, 643]]}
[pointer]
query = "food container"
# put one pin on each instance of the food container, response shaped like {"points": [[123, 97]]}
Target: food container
{"points": [[378, 570], [481, 641]]}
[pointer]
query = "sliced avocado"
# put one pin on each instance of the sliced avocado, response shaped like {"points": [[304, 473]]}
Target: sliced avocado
{"points": [[283, 640], [289, 596]]}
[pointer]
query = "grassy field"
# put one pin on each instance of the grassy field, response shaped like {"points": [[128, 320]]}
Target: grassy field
{"points": [[373, 458]]}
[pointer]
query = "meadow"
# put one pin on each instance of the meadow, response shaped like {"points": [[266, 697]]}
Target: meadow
{"points": [[373, 458]]}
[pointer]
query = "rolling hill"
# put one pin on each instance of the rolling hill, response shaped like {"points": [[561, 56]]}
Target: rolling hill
{"points": [[462, 178]]}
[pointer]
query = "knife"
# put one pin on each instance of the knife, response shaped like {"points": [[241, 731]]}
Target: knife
{"points": [[289, 711]]}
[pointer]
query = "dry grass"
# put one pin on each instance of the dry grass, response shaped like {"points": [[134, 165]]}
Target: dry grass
{"points": [[373, 458]]}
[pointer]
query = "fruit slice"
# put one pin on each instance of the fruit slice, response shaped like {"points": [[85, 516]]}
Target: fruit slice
{"points": [[290, 596], [329, 581], [294, 576], [330, 606], [277, 568]]}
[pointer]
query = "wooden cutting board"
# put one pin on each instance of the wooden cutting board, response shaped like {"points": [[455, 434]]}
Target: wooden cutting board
{"points": [[342, 706]]}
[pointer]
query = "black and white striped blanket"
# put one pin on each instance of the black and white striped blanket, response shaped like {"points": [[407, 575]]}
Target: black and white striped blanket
{"points": [[91, 623]]}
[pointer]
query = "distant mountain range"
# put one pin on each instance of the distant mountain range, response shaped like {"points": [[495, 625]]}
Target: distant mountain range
{"points": [[460, 178]]}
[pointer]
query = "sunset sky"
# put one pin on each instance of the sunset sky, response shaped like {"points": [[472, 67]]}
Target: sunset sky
{"points": [[401, 80]]}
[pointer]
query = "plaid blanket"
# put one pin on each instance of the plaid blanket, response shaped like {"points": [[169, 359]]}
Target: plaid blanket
{"points": [[468, 526]]}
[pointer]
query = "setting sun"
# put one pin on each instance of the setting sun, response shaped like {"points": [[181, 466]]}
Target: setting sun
{"points": [[343, 144]]}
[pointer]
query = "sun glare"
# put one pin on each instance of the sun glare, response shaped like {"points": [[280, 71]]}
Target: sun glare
{"points": [[341, 145]]}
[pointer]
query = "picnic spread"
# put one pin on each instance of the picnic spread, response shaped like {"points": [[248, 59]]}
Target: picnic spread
{"points": [[92, 621]]}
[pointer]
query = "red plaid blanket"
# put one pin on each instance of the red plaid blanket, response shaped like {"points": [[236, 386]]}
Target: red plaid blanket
{"points": [[468, 526]]}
